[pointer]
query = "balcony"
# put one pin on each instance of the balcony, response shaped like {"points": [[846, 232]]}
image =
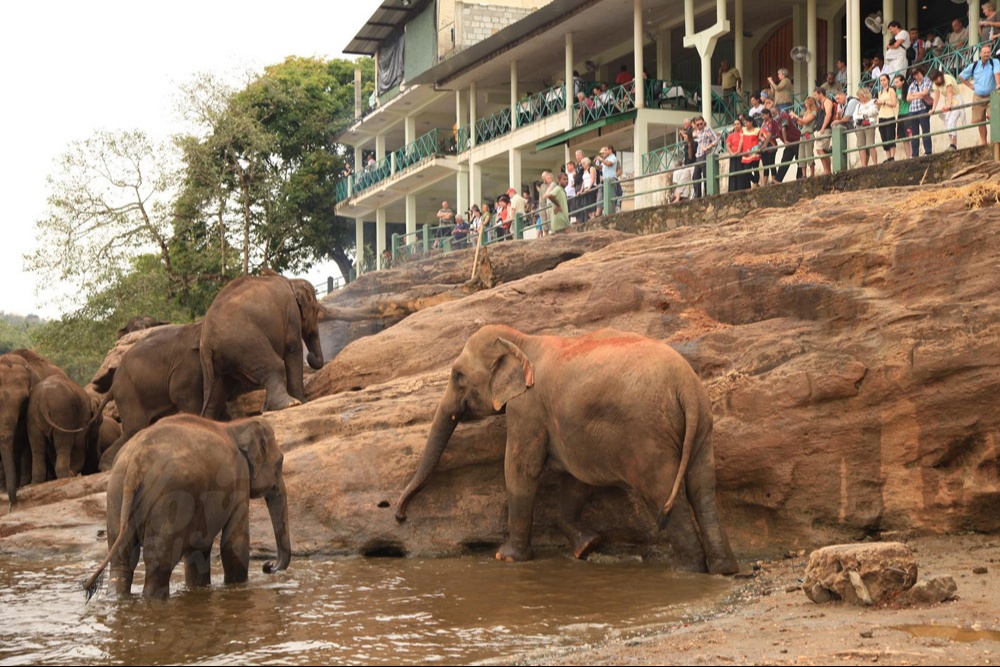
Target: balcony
{"points": [[434, 143]]}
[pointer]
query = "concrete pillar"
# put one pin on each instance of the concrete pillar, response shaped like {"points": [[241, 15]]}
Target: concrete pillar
{"points": [[834, 41], [411, 216], [359, 160], [513, 94], [663, 45], [472, 111], [379, 146], [640, 142], [410, 129], [798, 37], [812, 43], [514, 169], [911, 16], [461, 112], [705, 41], [475, 184], [638, 37], [379, 236], [359, 245], [462, 189], [739, 47], [854, 19], [568, 77], [888, 13], [975, 13]]}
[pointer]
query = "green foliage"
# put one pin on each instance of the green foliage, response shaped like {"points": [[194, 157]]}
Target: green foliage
{"points": [[17, 331]]}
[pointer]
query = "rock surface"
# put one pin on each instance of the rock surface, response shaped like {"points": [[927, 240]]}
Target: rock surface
{"points": [[862, 574], [932, 590], [852, 354]]}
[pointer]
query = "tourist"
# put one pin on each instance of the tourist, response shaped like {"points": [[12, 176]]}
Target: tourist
{"points": [[588, 198], [733, 140], [756, 106], [915, 53], [876, 70], [681, 182], [486, 219], [919, 97], [826, 111], [865, 118], [958, 38], [729, 78], [570, 188], [624, 76], [781, 92], [750, 147], [888, 107], [903, 129], [584, 109], [895, 51], [846, 106], [518, 205], [831, 85], [983, 77], [475, 222], [560, 209], [807, 128], [946, 98], [460, 233], [790, 137], [842, 74], [445, 219], [768, 144], [990, 23], [707, 141], [608, 162], [933, 44]]}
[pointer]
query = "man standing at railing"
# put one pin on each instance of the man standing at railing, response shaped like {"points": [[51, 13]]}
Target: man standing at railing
{"points": [[946, 97], [895, 50], [446, 218], [983, 76], [842, 74], [825, 115], [958, 38], [707, 141], [831, 85], [729, 78]]}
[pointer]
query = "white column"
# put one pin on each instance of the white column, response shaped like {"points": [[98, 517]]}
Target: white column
{"points": [[513, 94], [911, 15], [568, 77], [834, 42], [812, 43], [739, 48], [359, 244], [638, 36], [888, 12], [379, 146], [514, 169], [854, 19], [411, 216], [410, 129], [379, 236], [975, 12], [462, 189], [640, 143], [472, 111], [663, 54], [705, 41], [798, 67], [475, 185]]}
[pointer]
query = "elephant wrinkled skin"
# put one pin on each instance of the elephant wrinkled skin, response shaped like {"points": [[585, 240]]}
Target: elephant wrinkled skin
{"points": [[64, 426], [252, 335], [606, 409], [180, 483]]}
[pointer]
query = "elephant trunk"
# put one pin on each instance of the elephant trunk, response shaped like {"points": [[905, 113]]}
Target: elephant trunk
{"points": [[277, 507], [441, 430], [315, 356]]}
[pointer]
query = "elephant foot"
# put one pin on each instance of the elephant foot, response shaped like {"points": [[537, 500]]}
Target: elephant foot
{"points": [[584, 543], [512, 554], [290, 403], [725, 565]]}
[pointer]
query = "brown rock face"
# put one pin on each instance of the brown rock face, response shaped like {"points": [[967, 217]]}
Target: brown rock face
{"points": [[850, 344], [861, 574]]}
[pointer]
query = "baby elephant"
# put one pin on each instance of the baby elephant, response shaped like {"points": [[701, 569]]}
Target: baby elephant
{"points": [[177, 485], [64, 425]]}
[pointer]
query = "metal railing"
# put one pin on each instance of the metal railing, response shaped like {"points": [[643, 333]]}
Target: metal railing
{"points": [[541, 105], [372, 175], [329, 285], [610, 102], [463, 138], [423, 147], [495, 125]]}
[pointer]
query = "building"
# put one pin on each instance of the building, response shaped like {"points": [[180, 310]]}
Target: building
{"points": [[471, 94]]}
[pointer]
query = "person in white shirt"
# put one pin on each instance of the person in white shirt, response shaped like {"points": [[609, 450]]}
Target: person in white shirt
{"points": [[895, 52]]}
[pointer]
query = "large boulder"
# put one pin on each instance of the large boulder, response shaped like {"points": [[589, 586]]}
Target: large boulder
{"points": [[862, 574]]}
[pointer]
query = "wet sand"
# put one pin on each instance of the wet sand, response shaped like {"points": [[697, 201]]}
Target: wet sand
{"points": [[769, 620]]}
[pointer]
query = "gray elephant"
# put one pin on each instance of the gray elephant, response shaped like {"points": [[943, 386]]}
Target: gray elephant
{"points": [[64, 423], [179, 484], [607, 409], [20, 370], [253, 333]]}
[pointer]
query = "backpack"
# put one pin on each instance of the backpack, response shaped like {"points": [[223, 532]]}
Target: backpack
{"points": [[821, 114]]}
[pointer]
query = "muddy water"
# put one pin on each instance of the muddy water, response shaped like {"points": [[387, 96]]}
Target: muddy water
{"points": [[342, 611]]}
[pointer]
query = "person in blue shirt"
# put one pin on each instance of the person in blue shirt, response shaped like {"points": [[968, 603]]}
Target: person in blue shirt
{"points": [[983, 76]]}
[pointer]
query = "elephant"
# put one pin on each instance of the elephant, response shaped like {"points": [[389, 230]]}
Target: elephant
{"points": [[253, 333], [158, 376], [175, 487], [63, 423], [606, 409], [20, 371], [138, 324]]}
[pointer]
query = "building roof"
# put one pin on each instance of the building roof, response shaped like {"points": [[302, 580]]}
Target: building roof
{"points": [[391, 16]]}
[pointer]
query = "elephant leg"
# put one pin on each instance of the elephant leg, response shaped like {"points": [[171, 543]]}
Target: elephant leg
{"points": [[700, 486], [294, 368], [198, 568], [271, 373], [523, 462], [64, 443], [122, 567], [38, 443], [572, 497], [234, 546], [157, 586], [655, 487]]}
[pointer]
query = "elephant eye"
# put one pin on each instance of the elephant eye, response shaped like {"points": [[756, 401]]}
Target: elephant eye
{"points": [[457, 377]]}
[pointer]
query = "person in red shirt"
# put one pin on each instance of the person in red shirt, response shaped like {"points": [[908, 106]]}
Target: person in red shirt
{"points": [[623, 76], [750, 146], [768, 144], [733, 141]]}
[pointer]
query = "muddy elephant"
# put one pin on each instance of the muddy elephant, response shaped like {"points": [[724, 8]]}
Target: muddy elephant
{"points": [[20, 370], [64, 423], [606, 409], [252, 335], [138, 324], [178, 485], [158, 376]]}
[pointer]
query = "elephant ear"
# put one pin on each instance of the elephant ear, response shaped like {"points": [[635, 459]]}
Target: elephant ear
{"points": [[305, 296], [513, 374], [250, 436]]}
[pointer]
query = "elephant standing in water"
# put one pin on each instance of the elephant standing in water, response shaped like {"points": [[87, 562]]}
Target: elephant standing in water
{"points": [[606, 409], [183, 481], [252, 334]]}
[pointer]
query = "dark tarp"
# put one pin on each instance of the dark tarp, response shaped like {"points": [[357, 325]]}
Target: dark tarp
{"points": [[390, 63]]}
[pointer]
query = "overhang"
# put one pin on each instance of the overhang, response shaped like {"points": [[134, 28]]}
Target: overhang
{"points": [[390, 17], [584, 129]]}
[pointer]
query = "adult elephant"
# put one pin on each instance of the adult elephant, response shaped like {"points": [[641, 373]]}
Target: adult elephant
{"points": [[607, 409], [63, 423], [20, 370], [253, 333], [158, 376], [186, 480]]}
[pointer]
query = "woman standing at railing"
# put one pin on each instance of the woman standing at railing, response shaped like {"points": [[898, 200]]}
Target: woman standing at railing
{"points": [[750, 147], [865, 117], [589, 194], [903, 131], [733, 140], [888, 106], [807, 126]]}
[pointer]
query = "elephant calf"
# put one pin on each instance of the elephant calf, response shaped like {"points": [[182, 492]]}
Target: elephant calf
{"points": [[180, 483], [64, 426]]}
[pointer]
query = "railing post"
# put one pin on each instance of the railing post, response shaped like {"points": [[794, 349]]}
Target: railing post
{"points": [[711, 174], [518, 227], [609, 203], [392, 163], [995, 116], [446, 244], [329, 284], [839, 148], [427, 238], [395, 245], [350, 186]]}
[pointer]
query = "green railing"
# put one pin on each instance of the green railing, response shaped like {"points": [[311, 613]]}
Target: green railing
{"points": [[607, 103], [662, 158], [495, 125], [343, 188], [541, 105], [463, 138], [727, 107], [671, 94], [423, 147], [373, 175]]}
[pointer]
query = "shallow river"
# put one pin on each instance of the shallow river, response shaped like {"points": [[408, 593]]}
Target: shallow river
{"points": [[342, 611]]}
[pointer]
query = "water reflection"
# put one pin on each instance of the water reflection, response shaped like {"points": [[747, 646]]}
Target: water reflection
{"points": [[343, 611]]}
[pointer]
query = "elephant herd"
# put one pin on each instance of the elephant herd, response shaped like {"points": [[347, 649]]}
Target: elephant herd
{"points": [[605, 409]]}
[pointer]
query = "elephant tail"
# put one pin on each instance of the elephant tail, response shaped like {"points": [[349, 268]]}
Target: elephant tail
{"points": [[690, 407], [207, 375], [43, 411], [125, 531]]}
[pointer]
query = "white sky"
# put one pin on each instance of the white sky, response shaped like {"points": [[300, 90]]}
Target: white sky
{"points": [[108, 64]]}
